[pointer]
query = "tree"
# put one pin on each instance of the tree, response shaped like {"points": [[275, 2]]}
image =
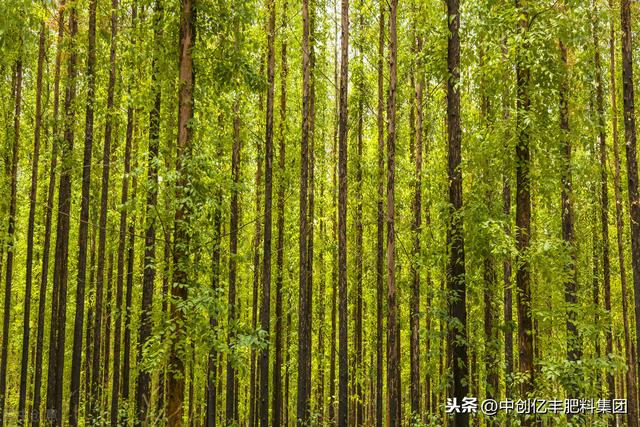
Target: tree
{"points": [[15, 150], [393, 344], [632, 163], [83, 231], [523, 212], [143, 392], [30, 233], [265, 313], [455, 239], [60, 272], [380, 221], [181, 222]]}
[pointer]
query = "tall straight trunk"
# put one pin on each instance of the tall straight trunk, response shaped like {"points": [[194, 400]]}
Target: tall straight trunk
{"points": [[506, 263], [307, 341], [231, 409], [143, 383], [455, 238], [97, 359], [523, 211], [358, 377], [343, 368], [304, 328], [24, 363], [604, 193], [567, 217], [253, 386], [334, 227], [286, 368], [416, 228], [393, 344], [83, 228], [265, 312], [60, 273], [106, 342], [181, 224], [214, 356], [320, 388], [380, 224], [632, 161], [10, 238], [131, 233], [115, 390], [89, 325], [48, 216], [632, 391], [277, 367]]}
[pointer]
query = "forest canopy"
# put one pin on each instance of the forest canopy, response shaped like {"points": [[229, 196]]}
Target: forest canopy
{"points": [[319, 212]]}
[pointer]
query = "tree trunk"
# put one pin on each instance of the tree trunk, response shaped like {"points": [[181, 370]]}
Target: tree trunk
{"points": [[46, 246], [568, 234], [523, 212], [121, 272], [10, 237], [83, 231], [380, 224], [393, 345], [181, 231], [265, 312], [126, 358], [143, 383], [455, 238], [231, 409], [632, 391], [304, 328], [632, 162], [60, 273], [24, 363], [277, 368], [416, 228], [604, 195], [343, 368], [97, 359]]}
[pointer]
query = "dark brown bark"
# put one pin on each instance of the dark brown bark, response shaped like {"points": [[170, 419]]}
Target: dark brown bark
{"points": [[46, 245], [304, 328], [253, 386], [604, 193], [358, 373], [231, 409], [97, 359], [115, 390], [10, 237], [265, 312], [131, 233], [143, 383], [455, 239], [214, 366], [175, 382], [630, 376], [393, 344], [380, 223], [632, 161], [59, 292], [523, 211], [343, 368], [568, 234], [24, 362], [416, 228], [334, 228], [83, 231], [277, 367]]}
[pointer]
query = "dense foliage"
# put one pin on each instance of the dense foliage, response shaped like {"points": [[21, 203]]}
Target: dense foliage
{"points": [[317, 212]]}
